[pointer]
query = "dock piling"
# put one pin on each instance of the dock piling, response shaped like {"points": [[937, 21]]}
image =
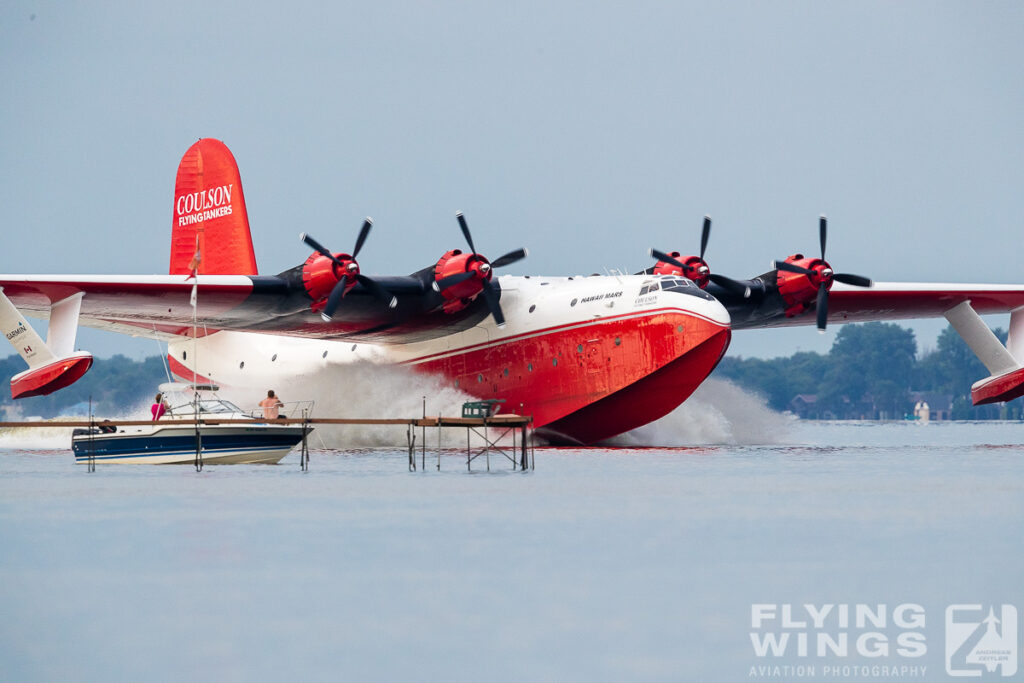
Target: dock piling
{"points": [[304, 453]]}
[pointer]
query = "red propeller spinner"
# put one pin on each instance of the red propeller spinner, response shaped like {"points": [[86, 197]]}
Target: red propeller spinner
{"points": [[328, 277], [695, 267], [805, 280], [460, 277]]}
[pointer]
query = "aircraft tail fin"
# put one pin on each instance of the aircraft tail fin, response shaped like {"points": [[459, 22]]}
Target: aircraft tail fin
{"points": [[209, 212]]}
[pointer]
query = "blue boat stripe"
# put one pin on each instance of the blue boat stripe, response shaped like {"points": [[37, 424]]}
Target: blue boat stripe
{"points": [[85, 456], [105, 446]]}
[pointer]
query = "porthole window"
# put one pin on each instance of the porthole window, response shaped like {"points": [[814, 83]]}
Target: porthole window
{"points": [[353, 347], [241, 365], [533, 308], [618, 341], [273, 358], [573, 302], [479, 378], [184, 355], [456, 384], [579, 348], [679, 328], [506, 372], [325, 355], [554, 361], [529, 367]]}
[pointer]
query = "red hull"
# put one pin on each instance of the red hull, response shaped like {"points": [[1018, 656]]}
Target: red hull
{"points": [[589, 381], [653, 397]]}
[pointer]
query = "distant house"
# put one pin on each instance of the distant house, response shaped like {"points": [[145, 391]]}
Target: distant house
{"points": [[809, 407], [805, 406]]}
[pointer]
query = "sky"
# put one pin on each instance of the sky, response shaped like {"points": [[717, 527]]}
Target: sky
{"points": [[585, 131]]}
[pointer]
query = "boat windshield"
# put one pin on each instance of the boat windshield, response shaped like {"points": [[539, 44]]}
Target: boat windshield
{"points": [[206, 405]]}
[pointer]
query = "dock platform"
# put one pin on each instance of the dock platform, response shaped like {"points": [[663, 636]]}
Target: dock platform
{"points": [[491, 429]]}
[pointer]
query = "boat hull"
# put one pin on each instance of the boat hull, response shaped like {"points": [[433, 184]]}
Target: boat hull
{"points": [[176, 445]]}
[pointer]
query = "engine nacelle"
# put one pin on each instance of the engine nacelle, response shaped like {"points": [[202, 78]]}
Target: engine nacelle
{"points": [[799, 291], [696, 268], [320, 274], [461, 294]]}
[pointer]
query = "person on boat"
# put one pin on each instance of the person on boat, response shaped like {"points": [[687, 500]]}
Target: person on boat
{"points": [[159, 407], [271, 406]]}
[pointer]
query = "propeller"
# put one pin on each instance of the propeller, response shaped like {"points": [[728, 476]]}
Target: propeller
{"points": [[482, 272], [349, 268], [824, 274], [700, 270]]}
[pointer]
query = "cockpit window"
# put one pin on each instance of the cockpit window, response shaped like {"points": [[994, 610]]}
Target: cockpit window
{"points": [[650, 287], [676, 283], [683, 286]]}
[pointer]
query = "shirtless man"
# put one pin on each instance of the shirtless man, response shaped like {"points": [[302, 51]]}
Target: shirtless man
{"points": [[271, 406]]}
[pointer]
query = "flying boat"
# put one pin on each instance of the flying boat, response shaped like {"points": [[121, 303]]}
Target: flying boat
{"points": [[587, 357]]}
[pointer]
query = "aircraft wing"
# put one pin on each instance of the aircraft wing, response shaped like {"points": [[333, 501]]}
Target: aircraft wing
{"points": [[886, 301], [148, 306], [158, 306]]}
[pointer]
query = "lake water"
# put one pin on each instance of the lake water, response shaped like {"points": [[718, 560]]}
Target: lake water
{"points": [[602, 564]]}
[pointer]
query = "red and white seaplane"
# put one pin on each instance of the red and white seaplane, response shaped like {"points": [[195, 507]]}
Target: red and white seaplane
{"points": [[587, 357]]}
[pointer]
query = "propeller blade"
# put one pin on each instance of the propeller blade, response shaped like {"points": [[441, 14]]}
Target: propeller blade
{"points": [[492, 303], [465, 230], [704, 235], [730, 285], [316, 246], [662, 256], [384, 295], [851, 279], [822, 233], [337, 294], [452, 280], [363, 234], [509, 258], [822, 307], [789, 267]]}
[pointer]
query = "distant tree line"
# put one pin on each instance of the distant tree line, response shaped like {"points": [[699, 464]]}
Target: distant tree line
{"points": [[114, 384], [873, 371]]}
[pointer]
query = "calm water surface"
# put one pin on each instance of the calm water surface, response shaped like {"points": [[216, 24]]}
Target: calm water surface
{"points": [[602, 564]]}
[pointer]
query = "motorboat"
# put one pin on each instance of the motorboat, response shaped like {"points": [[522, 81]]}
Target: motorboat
{"points": [[172, 439]]}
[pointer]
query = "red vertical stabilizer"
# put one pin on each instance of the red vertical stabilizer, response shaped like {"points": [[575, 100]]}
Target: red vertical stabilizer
{"points": [[208, 202]]}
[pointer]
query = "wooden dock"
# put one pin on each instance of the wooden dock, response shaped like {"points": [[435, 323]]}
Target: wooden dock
{"points": [[490, 429]]}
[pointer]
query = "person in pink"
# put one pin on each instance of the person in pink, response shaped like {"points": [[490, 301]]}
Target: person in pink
{"points": [[271, 405], [159, 407]]}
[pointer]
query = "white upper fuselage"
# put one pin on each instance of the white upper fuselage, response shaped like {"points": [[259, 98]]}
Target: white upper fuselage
{"points": [[532, 305]]}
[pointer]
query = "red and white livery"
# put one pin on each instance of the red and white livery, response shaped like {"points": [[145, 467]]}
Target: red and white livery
{"points": [[587, 357]]}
